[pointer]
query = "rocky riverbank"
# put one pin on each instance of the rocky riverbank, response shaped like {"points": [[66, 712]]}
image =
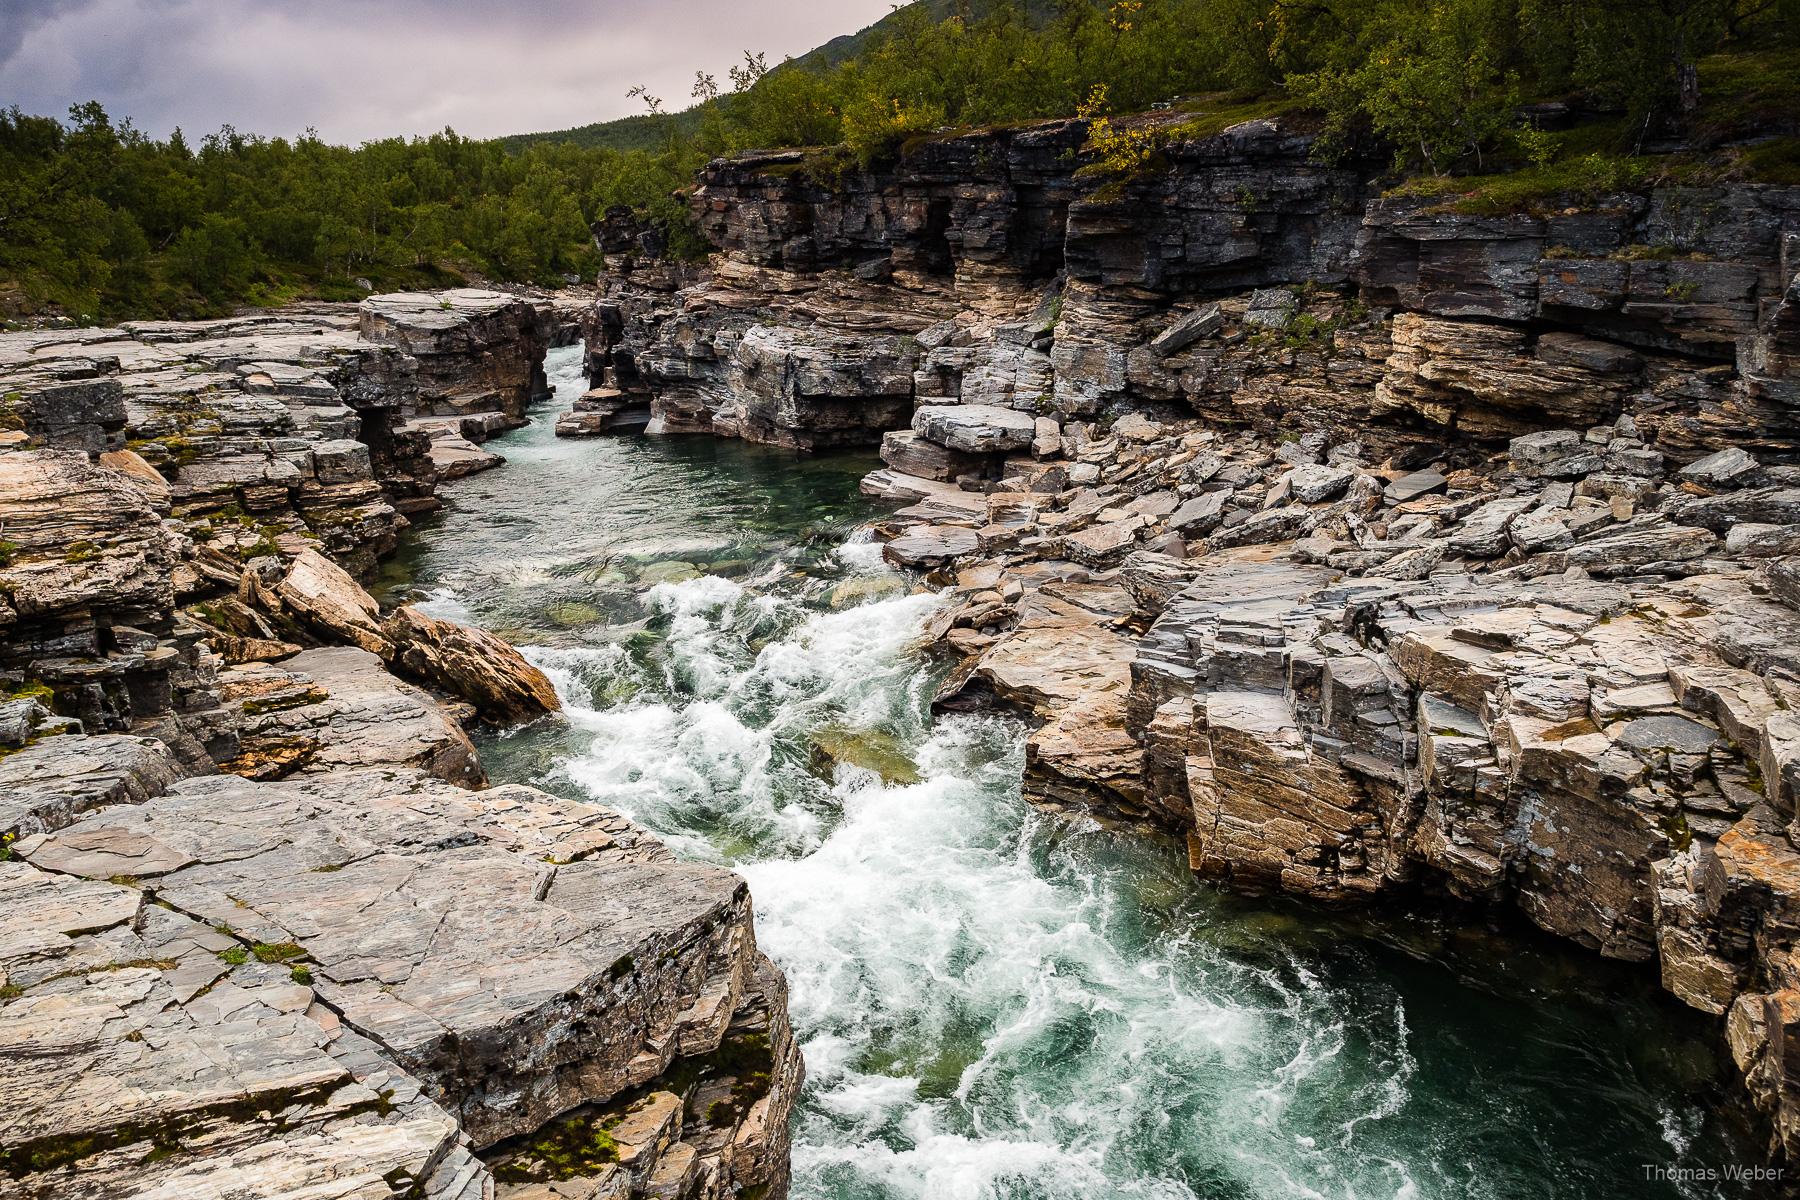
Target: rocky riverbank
{"points": [[1373, 545], [267, 932]]}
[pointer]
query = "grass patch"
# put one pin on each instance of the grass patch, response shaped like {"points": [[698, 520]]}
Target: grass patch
{"points": [[1748, 95], [277, 952], [1774, 161], [1209, 116], [1583, 180], [570, 1147]]}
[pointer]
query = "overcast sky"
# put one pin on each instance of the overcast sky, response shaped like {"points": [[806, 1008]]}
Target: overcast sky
{"points": [[359, 69]]}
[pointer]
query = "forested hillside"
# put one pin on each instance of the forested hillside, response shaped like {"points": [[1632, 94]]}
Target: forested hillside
{"points": [[97, 220]]}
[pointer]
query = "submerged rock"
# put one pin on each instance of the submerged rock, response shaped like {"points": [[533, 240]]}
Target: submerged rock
{"points": [[870, 749]]}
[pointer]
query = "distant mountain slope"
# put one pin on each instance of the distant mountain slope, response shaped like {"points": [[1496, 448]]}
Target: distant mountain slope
{"points": [[643, 132], [651, 132]]}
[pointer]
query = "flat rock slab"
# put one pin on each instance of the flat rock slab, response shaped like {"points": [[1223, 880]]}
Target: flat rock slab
{"points": [[338, 708], [456, 457], [1667, 732], [134, 1061], [931, 545], [1414, 485], [433, 312], [519, 954], [49, 783], [975, 428]]}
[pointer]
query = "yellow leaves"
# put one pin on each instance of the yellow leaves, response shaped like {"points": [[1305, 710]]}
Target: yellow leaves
{"points": [[1095, 104]]}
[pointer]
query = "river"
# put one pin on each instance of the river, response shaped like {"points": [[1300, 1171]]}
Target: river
{"points": [[995, 1001]]}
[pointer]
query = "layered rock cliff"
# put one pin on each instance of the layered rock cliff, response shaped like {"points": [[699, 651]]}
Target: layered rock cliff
{"points": [[265, 931], [1373, 545]]}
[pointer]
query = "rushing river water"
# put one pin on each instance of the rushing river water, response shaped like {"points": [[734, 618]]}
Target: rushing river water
{"points": [[993, 1001]]}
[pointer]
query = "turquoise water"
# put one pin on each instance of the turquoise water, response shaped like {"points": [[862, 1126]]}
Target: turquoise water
{"points": [[994, 1001]]}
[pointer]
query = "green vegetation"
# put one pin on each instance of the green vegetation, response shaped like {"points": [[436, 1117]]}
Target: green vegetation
{"points": [[31, 689], [571, 1146], [99, 220], [1437, 85], [276, 952]]}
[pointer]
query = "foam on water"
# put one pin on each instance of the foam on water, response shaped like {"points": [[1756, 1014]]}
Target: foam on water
{"points": [[995, 1002], [975, 1021]]}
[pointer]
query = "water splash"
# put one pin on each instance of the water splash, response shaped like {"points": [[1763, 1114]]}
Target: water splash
{"points": [[997, 1003]]}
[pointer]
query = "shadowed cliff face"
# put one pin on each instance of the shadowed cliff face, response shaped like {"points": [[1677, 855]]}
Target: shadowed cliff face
{"points": [[1376, 546], [1660, 303]]}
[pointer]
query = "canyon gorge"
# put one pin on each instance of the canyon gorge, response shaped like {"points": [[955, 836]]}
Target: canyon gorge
{"points": [[1302, 703]]}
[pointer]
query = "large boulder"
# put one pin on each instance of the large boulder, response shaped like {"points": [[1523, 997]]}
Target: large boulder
{"points": [[975, 428], [476, 350], [470, 663], [324, 596]]}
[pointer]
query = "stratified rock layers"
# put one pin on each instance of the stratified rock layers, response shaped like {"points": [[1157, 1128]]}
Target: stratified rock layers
{"points": [[1369, 543], [382, 973], [257, 936]]}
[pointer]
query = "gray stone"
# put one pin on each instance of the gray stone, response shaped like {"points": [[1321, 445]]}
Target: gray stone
{"points": [[1202, 514], [1186, 330], [1312, 483], [1667, 733], [1732, 467], [975, 428], [1413, 485], [1762, 541], [1271, 308]]}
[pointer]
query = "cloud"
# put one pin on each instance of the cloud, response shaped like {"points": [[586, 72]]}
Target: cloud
{"points": [[356, 70], [20, 17]]}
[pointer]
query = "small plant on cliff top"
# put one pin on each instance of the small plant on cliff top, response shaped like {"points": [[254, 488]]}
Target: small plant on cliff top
{"points": [[874, 127], [1122, 152]]}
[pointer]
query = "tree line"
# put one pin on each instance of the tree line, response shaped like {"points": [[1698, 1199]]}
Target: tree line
{"points": [[103, 221]]}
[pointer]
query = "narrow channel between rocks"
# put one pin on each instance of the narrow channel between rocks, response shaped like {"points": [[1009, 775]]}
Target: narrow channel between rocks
{"points": [[994, 1000]]}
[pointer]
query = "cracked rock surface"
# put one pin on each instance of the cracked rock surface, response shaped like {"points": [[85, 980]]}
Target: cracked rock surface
{"points": [[382, 973], [1369, 545], [257, 937]]}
